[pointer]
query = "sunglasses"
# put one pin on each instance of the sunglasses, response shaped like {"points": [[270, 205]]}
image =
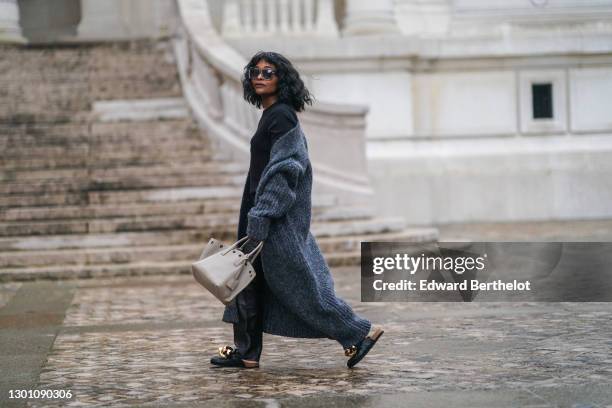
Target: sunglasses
{"points": [[266, 73]]}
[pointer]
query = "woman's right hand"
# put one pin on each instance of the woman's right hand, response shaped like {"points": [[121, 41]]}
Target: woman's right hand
{"points": [[250, 244]]}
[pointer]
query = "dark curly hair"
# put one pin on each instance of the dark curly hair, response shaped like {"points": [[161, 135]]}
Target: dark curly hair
{"points": [[291, 89]]}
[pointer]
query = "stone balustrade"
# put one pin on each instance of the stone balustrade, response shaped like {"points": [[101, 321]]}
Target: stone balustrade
{"points": [[211, 74], [285, 17]]}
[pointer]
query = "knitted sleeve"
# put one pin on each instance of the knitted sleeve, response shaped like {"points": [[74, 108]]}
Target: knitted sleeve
{"points": [[278, 194]]}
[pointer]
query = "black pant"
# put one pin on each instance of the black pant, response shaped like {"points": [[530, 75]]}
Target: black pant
{"points": [[248, 333]]}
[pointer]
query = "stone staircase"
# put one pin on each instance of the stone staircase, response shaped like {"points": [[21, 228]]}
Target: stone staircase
{"points": [[105, 173]]}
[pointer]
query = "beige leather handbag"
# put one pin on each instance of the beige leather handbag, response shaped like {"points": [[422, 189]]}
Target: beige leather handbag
{"points": [[225, 272]]}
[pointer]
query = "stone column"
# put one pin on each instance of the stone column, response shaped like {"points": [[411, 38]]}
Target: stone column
{"points": [[10, 30], [102, 20], [326, 22], [363, 17]]}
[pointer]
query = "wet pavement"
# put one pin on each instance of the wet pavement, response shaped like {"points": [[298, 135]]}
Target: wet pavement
{"points": [[147, 341], [595, 230]]}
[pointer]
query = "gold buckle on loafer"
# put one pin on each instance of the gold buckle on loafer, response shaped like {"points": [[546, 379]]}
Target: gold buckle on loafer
{"points": [[226, 351], [351, 351]]}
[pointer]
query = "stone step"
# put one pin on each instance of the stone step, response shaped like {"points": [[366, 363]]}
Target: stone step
{"points": [[185, 252], [96, 133], [182, 194], [212, 167], [170, 146], [107, 151], [191, 180], [356, 227], [27, 175], [78, 95], [168, 151], [90, 57], [136, 86], [320, 227], [29, 74], [8, 202], [124, 239], [50, 116], [45, 186], [40, 131], [124, 210], [147, 132], [33, 96], [23, 143], [33, 200], [139, 222], [128, 158], [210, 222], [121, 224], [119, 197], [163, 195], [36, 100], [115, 225], [28, 81], [140, 109], [14, 154], [341, 213], [73, 185], [95, 271], [320, 206]]}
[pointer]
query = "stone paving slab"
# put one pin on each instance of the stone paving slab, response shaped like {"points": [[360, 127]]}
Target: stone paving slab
{"points": [[147, 341]]}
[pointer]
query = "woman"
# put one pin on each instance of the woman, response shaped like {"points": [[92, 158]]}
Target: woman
{"points": [[293, 292]]}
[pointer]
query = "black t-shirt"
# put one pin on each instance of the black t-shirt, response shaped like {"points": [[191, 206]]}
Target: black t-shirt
{"points": [[275, 121]]}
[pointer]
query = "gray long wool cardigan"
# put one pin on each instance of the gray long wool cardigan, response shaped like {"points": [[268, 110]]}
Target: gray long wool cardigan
{"points": [[301, 301]]}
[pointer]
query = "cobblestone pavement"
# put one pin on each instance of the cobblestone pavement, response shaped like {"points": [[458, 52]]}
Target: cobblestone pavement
{"points": [[147, 341]]}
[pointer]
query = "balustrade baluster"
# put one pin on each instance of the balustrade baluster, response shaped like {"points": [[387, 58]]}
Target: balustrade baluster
{"points": [[284, 16], [309, 16], [231, 25], [296, 26], [259, 16], [247, 16], [326, 22], [272, 16]]}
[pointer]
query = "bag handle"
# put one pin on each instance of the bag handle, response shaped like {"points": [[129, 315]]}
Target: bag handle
{"points": [[257, 249], [248, 256], [235, 244]]}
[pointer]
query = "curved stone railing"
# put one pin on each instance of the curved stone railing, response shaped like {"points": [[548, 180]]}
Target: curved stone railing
{"points": [[211, 71]]}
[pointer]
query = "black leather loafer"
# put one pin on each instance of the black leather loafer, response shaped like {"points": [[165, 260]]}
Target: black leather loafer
{"points": [[359, 351], [229, 357]]}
